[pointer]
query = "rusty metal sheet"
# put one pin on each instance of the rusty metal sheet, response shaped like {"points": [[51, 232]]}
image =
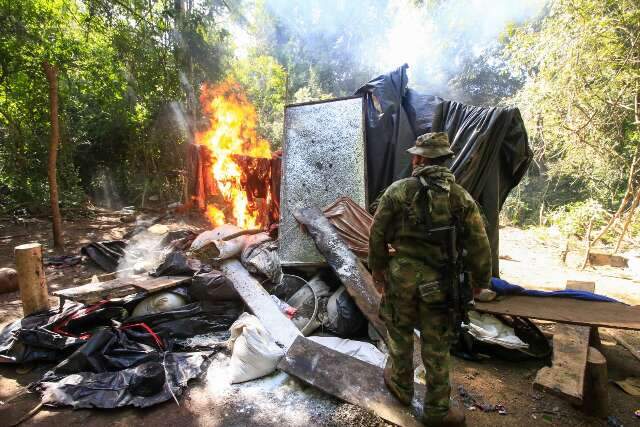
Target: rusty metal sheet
{"points": [[324, 159]]}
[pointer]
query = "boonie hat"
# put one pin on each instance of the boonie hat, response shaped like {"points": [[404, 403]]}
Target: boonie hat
{"points": [[432, 145]]}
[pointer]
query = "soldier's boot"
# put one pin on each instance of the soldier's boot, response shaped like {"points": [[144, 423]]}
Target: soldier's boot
{"points": [[403, 396], [454, 418]]}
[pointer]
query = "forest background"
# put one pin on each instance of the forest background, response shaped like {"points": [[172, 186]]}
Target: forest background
{"points": [[129, 74]]}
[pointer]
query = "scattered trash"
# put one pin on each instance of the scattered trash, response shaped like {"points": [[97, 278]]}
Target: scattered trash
{"points": [[62, 261], [613, 421], [471, 401], [285, 308], [254, 352], [637, 413], [630, 385]]}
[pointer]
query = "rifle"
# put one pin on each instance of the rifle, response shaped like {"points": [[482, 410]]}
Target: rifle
{"points": [[460, 296]]}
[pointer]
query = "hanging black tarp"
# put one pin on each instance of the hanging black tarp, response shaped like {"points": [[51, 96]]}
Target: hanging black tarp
{"points": [[491, 145]]}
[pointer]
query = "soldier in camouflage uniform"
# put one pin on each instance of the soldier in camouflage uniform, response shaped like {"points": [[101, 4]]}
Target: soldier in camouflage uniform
{"points": [[407, 210]]}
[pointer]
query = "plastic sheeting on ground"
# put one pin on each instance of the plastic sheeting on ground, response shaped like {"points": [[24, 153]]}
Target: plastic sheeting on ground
{"points": [[103, 355], [176, 263], [32, 339], [502, 287], [105, 255], [490, 143], [114, 389]]}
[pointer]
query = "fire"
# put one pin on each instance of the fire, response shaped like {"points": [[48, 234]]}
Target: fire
{"points": [[232, 132]]}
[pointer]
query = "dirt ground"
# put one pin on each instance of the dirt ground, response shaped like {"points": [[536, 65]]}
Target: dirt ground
{"points": [[282, 400]]}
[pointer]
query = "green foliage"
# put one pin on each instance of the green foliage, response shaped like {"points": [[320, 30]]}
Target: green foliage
{"points": [[580, 65], [573, 218], [129, 72]]}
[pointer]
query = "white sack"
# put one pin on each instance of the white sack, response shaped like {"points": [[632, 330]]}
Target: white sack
{"points": [[358, 349], [487, 328], [217, 233], [254, 352]]}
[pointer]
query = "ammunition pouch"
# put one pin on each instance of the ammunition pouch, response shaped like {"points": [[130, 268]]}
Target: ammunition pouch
{"points": [[426, 290]]}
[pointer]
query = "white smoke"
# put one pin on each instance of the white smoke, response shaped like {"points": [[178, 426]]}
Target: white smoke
{"points": [[434, 38]]}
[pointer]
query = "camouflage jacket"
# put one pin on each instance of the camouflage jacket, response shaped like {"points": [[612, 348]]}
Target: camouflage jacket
{"points": [[406, 210]]}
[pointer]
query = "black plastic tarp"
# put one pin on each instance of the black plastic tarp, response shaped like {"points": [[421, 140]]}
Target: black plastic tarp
{"points": [[107, 359], [112, 389], [491, 144]]}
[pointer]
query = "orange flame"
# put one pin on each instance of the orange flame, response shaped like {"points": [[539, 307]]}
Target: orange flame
{"points": [[232, 131]]}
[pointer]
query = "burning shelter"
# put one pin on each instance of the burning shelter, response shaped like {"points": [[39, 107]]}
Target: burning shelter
{"points": [[286, 241]]}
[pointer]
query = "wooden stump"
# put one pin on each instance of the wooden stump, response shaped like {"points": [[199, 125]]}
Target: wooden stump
{"points": [[31, 278], [596, 394]]}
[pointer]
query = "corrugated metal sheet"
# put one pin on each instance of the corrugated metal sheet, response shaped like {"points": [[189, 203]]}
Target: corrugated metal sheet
{"points": [[324, 159]]}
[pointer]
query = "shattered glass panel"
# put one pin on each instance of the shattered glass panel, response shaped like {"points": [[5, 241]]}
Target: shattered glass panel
{"points": [[324, 159]]}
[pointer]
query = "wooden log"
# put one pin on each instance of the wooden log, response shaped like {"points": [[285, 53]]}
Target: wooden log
{"points": [[603, 258], [283, 331], [349, 379], [31, 278], [349, 269], [596, 393]]}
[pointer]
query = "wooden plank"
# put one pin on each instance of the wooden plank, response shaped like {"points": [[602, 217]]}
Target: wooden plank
{"points": [[347, 378], [94, 292], [566, 376], [157, 284], [283, 331], [349, 269], [580, 285], [566, 310]]}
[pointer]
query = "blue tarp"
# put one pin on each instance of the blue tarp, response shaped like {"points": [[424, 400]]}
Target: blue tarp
{"points": [[502, 287]]}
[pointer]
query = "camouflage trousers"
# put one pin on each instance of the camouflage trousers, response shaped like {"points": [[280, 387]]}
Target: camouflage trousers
{"points": [[402, 308]]}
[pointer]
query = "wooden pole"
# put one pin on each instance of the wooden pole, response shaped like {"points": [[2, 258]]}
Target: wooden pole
{"points": [[596, 394], [31, 279], [54, 141]]}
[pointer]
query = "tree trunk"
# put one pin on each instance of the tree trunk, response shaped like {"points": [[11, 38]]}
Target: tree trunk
{"points": [[632, 211], [589, 245], [52, 77]]}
